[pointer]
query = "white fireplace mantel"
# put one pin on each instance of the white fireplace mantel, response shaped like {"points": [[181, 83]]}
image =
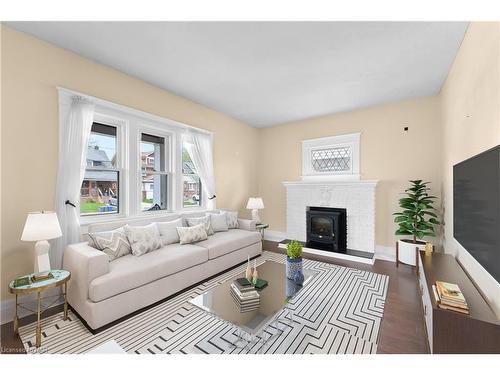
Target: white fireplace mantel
{"points": [[356, 196], [325, 182]]}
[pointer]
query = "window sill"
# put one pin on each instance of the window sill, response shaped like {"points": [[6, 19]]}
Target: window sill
{"points": [[332, 177]]}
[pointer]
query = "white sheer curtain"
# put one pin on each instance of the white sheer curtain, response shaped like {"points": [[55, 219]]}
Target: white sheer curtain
{"points": [[74, 135], [199, 147]]}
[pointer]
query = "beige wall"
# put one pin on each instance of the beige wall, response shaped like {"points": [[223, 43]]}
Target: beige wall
{"points": [[387, 154], [470, 102], [31, 70]]}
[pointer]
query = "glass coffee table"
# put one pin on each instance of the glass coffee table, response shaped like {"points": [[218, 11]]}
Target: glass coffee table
{"points": [[274, 299]]}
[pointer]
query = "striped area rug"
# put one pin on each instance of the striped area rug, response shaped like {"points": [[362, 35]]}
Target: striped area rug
{"points": [[339, 311]]}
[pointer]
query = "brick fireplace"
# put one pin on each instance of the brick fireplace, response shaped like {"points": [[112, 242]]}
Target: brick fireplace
{"points": [[357, 198]]}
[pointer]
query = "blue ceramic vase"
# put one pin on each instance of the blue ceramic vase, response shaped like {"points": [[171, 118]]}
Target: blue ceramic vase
{"points": [[294, 270]]}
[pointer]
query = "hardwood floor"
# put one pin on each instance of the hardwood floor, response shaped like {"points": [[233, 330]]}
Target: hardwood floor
{"points": [[402, 330]]}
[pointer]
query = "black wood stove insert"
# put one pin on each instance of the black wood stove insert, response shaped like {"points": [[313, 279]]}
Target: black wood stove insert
{"points": [[327, 228]]}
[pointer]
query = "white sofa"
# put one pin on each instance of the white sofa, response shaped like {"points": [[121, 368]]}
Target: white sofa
{"points": [[102, 291]]}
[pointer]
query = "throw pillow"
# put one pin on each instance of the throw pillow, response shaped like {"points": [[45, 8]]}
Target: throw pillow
{"points": [[192, 221], [113, 243], [232, 219], [143, 239], [168, 231], [218, 222], [192, 234]]}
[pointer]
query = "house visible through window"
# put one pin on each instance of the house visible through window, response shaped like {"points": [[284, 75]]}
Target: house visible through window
{"points": [[100, 188], [154, 173], [191, 181]]}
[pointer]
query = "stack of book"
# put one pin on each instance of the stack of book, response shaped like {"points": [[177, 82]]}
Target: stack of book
{"points": [[245, 296], [449, 297]]}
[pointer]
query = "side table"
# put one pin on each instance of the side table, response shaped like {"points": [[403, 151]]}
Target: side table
{"points": [[261, 227], [60, 277]]}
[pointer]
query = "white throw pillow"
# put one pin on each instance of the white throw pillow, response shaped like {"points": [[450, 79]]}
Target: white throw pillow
{"points": [[143, 239], [192, 221], [168, 231], [192, 234], [232, 219], [218, 222], [113, 243]]}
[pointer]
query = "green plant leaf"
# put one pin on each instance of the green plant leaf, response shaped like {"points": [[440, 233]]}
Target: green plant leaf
{"points": [[430, 213], [400, 232], [294, 249], [424, 226], [423, 206], [420, 234]]}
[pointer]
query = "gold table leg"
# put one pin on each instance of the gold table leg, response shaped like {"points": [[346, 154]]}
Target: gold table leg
{"points": [[38, 326], [65, 301], [16, 321]]}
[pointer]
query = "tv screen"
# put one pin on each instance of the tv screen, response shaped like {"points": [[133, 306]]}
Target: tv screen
{"points": [[476, 208]]}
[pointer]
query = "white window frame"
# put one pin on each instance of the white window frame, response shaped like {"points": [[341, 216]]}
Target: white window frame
{"points": [[155, 130], [119, 124], [130, 124], [204, 199], [345, 140]]}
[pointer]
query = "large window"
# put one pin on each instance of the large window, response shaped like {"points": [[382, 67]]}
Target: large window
{"points": [[136, 165], [191, 184], [154, 173], [99, 193]]}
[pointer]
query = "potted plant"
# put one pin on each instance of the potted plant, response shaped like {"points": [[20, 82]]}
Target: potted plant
{"points": [[294, 262], [417, 219]]}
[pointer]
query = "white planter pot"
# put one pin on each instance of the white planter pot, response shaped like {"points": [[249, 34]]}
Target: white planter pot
{"points": [[407, 251]]}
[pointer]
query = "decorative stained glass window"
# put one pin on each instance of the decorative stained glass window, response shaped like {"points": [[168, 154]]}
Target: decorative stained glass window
{"points": [[333, 159]]}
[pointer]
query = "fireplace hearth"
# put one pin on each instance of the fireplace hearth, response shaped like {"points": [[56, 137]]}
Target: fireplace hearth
{"points": [[327, 228]]}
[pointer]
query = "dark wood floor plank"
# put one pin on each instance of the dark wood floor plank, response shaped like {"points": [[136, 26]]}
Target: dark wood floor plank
{"points": [[402, 329]]}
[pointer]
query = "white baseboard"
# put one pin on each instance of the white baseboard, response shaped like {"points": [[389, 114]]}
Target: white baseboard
{"points": [[385, 253], [8, 307], [273, 235]]}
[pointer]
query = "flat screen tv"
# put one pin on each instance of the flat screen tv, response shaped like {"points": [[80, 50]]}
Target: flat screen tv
{"points": [[476, 208]]}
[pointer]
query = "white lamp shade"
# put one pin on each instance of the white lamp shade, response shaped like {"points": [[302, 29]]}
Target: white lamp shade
{"points": [[41, 226], [255, 203]]}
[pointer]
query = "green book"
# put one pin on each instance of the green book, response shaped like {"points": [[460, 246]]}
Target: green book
{"points": [[260, 284], [22, 281]]}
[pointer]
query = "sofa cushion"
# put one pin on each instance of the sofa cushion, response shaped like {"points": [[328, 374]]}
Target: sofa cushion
{"points": [[110, 225], [143, 239], [218, 222], [113, 243], [232, 219], [168, 231], [192, 234], [199, 220], [130, 272], [226, 242]]}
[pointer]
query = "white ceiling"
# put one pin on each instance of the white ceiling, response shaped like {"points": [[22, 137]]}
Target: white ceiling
{"points": [[268, 73]]}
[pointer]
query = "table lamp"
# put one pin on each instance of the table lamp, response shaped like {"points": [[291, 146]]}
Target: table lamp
{"points": [[40, 227], [255, 204]]}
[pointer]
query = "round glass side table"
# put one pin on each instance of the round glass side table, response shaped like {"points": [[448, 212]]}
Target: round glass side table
{"points": [[261, 227], [59, 277]]}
